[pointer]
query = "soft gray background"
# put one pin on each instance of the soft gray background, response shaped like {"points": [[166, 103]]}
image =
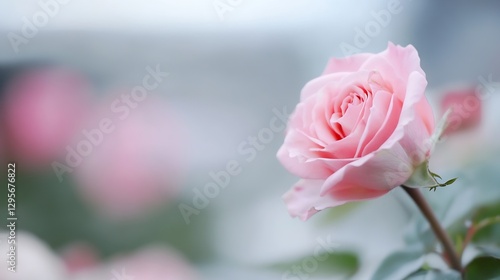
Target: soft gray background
{"points": [[227, 76]]}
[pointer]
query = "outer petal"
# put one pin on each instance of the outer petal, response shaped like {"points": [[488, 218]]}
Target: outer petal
{"points": [[395, 65], [335, 70], [416, 123], [299, 166], [404, 59], [308, 168], [380, 171], [425, 113], [304, 199], [347, 64], [315, 85]]}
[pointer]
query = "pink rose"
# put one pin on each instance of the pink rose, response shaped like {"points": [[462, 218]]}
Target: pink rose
{"points": [[466, 108], [79, 256], [360, 130], [44, 108], [2, 144], [139, 164]]}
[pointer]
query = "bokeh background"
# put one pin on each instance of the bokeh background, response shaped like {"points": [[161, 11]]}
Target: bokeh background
{"points": [[223, 75]]}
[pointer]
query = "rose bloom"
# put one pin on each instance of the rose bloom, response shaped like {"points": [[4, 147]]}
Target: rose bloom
{"points": [[44, 108], [138, 166], [79, 256], [360, 130], [466, 108], [472, 134], [2, 143]]}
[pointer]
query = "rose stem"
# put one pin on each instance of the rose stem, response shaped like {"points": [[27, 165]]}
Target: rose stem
{"points": [[440, 233]]}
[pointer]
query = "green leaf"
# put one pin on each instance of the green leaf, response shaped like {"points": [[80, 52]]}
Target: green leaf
{"points": [[435, 275], [401, 264], [418, 233], [468, 199], [343, 264], [435, 175], [459, 208], [492, 251], [473, 252], [485, 243], [483, 268], [449, 182], [441, 185], [487, 238]]}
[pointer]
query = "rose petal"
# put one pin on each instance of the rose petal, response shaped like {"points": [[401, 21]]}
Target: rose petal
{"points": [[307, 167], [379, 122], [347, 64], [397, 63], [352, 117], [394, 162], [315, 85], [320, 126], [295, 161], [387, 127], [346, 147], [379, 171], [304, 197], [416, 110]]}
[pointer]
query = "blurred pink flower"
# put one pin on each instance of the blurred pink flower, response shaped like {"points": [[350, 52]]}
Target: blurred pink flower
{"points": [[466, 108], [153, 263], [3, 155], [473, 133], [360, 130], [79, 257], [139, 163], [43, 109]]}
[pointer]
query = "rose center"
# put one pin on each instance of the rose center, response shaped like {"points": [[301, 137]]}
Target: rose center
{"points": [[355, 97], [347, 116]]}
